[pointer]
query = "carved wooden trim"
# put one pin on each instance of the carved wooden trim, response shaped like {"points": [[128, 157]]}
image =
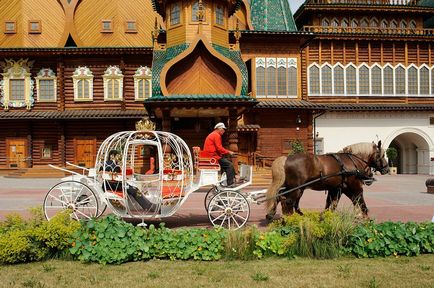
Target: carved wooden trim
{"points": [[188, 51]]}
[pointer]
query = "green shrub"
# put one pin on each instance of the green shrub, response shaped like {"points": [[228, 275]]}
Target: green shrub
{"points": [[273, 243], [389, 238], [34, 239], [317, 235]]}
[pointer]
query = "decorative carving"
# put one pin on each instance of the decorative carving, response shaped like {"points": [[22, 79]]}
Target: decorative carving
{"points": [[145, 125], [155, 33], [113, 71], [200, 12], [237, 35]]}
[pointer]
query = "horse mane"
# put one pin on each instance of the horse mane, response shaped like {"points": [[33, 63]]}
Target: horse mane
{"points": [[364, 149]]}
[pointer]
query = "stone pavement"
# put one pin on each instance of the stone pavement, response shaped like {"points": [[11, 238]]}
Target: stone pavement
{"points": [[398, 198]]}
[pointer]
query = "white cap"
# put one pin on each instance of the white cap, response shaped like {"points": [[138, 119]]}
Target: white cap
{"points": [[219, 125]]}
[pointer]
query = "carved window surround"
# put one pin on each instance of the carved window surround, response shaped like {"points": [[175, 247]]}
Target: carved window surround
{"points": [[142, 83], [113, 84], [83, 77], [46, 74], [16, 70]]}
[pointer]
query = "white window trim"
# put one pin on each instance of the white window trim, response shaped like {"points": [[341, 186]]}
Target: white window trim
{"points": [[82, 73], [393, 77], [290, 65], [345, 78], [417, 80], [142, 73], [429, 80], [20, 70], [333, 79], [46, 74], [405, 80], [319, 79], [115, 74], [370, 78]]}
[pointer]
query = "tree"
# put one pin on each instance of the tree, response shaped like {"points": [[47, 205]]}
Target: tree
{"points": [[296, 147], [392, 154]]}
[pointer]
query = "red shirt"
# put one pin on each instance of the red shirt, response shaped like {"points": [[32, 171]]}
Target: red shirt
{"points": [[213, 146]]}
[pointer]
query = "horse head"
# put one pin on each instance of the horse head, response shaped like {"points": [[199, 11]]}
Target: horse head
{"points": [[381, 163], [371, 153]]}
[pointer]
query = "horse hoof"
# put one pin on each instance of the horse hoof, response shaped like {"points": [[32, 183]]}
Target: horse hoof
{"points": [[269, 217]]}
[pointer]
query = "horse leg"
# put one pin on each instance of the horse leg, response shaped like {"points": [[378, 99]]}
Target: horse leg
{"points": [[291, 203], [358, 200], [272, 211], [297, 203], [333, 197]]}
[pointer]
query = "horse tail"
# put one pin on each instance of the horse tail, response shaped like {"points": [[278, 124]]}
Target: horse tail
{"points": [[278, 179]]}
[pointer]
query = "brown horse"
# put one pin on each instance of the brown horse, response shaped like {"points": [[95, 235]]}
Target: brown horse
{"points": [[338, 173]]}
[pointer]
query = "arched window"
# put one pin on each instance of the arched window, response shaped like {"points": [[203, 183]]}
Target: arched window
{"points": [[403, 24], [424, 80], [412, 80], [345, 22], [338, 79], [388, 81], [412, 24], [432, 81], [351, 79], [325, 22], [393, 24], [175, 14], [113, 83], [376, 80], [314, 79], [46, 85], [364, 22], [83, 84], [16, 86], [374, 23], [195, 10], [219, 15], [292, 80], [281, 76], [271, 77], [142, 83], [326, 80], [335, 22], [384, 24], [364, 80], [354, 23], [400, 80]]}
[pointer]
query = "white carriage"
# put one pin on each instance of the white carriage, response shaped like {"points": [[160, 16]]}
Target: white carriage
{"points": [[153, 176]]}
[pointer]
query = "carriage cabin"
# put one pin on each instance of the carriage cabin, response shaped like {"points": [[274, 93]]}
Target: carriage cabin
{"points": [[76, 71]]}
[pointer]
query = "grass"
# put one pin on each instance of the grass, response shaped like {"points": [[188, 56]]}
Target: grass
{"points": [[344, 272]]}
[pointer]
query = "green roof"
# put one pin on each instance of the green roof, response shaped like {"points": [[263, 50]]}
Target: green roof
{"points": [[200, 97], [272, 15]]}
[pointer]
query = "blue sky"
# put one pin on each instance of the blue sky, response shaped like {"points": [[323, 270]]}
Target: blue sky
{"points": [[295, 4]]}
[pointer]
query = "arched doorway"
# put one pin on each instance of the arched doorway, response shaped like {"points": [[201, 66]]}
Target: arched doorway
{"points": [[413, 152]]}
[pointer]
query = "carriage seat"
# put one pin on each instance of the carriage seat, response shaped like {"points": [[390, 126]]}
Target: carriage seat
{"points": [[204, 161]]}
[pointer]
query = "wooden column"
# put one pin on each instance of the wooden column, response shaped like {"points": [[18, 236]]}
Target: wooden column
{"points": [[122, 67], [61, 142], [233, 135], [60, 84], [29, 160]]}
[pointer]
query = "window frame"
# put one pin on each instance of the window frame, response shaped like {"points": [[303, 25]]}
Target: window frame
{"points": [[83, 73], [46, 74], [35, 31], [114, 74], [9, 31], [107, 30], [145, 74], [223, 24], [128, 29], [179, 23]]}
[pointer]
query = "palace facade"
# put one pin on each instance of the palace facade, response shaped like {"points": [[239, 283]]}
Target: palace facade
{"points": [[332, 74]]}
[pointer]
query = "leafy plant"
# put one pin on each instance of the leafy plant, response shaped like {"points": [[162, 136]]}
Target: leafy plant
{"points": [[260, 277], [240, 244], [296, 146], [392, 154]]}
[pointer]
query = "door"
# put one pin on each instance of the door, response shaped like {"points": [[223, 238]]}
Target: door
{"points": [[16, 153], [85, 152]]}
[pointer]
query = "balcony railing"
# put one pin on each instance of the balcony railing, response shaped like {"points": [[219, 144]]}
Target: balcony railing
{"points": [[366, 2], [368, 30]]}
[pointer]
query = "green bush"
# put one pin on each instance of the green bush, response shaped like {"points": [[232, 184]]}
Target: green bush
{"points": [[389, 238], [34, 239], [111, 240], [240, 244], [317, 235]]}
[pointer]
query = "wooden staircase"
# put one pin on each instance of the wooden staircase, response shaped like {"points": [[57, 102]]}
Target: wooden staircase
{"points": [[261, 177], [43, 171]]}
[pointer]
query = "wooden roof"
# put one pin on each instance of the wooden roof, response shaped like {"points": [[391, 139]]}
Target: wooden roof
{"points": [[72, 114]]}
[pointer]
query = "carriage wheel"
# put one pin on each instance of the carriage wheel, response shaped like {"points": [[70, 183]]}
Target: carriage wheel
{"points": [[229, 209], [211, 192], [73, 195]]}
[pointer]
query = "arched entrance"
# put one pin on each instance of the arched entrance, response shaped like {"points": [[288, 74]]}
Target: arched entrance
{"points": [[413, 148]]}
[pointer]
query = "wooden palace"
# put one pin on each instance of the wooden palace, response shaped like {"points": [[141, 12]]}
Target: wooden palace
{"points": [[335, 72]]}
